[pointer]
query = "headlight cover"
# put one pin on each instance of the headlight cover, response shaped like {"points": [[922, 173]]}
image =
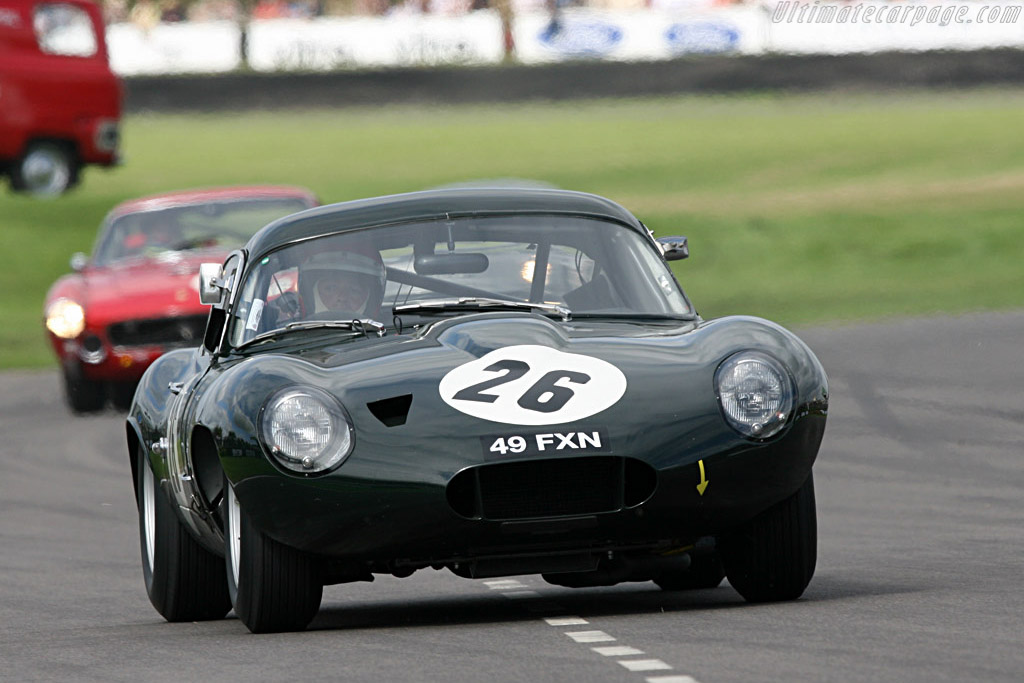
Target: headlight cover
{"points": [[755, 392], [306, 430], [65, 318]]}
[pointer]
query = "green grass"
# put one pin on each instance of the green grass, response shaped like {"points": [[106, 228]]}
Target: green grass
{"points": [[803, 209]]}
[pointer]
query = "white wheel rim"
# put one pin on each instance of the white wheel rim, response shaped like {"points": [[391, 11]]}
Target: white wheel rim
{"points": [[234, 533], [45, 172], [149, 512]]}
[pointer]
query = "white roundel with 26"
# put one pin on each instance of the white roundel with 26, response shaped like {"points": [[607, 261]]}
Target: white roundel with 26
{"points": [[533, 385]]}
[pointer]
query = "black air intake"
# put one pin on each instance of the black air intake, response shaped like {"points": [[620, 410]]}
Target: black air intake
{"points": [[180, 331], [552, 487]]}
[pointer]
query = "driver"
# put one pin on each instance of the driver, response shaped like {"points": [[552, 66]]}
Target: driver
{"points": [[346, 284]]}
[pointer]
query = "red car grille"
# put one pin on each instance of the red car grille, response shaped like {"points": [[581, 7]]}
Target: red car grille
{"points": [[555, 487], [182, 331]]}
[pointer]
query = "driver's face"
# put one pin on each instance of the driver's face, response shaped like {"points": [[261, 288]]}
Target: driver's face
{"points": [[341, 292]]}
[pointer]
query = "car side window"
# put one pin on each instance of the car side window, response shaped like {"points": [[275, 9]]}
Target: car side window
{"points": [[64, 30]]}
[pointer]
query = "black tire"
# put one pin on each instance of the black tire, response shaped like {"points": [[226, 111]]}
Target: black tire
{"points": [[81, 394], [122, 394], [704, 572], [185, 582], [273, 587], [772, 557], [46, 169]]}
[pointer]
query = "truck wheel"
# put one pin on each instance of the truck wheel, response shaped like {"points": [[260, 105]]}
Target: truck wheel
{"points": [[81, 394], [46, 169], [772, 557], [185, 582], [704, 572], [273, 587]]}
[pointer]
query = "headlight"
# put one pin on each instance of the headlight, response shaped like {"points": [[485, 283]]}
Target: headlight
{"points": [[65, 318], [756, 393], [306, 430]]}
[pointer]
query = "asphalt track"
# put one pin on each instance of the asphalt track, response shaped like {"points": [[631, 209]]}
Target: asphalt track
{"points": [[921, 557]]}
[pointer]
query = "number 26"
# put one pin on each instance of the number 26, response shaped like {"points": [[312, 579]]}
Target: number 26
{"points": [[545, 396]]}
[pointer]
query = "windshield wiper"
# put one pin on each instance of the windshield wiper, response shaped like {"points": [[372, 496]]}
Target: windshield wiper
{"points": [[473, 303], [358, 326]]}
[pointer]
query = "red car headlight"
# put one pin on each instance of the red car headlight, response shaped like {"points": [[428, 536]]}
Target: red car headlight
{"points": [[65, 318]]}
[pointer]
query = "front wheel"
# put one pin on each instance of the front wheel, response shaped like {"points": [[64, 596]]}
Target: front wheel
{"points": [[185, 582], [82, 395], [772, 557], [273, 587], [46, 169], [122, 394]]}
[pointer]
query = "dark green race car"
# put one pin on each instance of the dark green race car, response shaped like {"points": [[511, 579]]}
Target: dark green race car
{"points": [[492, 381]]}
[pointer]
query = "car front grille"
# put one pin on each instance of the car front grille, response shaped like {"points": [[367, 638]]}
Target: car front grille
{"points": [[179, 331], [555, 487]]}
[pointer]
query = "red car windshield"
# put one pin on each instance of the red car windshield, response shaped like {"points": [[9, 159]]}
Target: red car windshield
{"points": [[219, 225]]}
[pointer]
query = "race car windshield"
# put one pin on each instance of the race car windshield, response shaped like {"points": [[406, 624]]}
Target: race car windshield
{"points": [[222, 225], [547, 264]]}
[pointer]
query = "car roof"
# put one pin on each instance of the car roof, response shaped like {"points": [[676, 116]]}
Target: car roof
{"points": [[167, 200], [436, 204]]}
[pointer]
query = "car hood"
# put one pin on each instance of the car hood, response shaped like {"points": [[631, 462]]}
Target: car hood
{"points": [[637, 383], [152, 287]]}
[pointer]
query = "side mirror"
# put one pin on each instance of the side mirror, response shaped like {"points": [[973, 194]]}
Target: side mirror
{"points": [[79, 261], [674, 248], [211, 285]]}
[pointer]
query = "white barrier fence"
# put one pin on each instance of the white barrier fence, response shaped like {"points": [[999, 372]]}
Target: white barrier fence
{"points": [[194, 47], [786, 27]]}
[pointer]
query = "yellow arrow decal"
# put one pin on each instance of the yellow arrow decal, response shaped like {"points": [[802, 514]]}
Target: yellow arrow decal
{"points": [[703, 481]]}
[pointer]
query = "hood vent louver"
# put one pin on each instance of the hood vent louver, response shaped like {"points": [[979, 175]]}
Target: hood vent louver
{"points": [[392, 412]]}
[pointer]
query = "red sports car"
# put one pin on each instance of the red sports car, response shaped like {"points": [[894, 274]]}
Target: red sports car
{"points": [[138, 295]]}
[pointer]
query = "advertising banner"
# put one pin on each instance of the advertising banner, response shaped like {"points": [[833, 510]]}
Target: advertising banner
{"points": [[185, 47], [667, 31], [636, 35], [356, 42]]}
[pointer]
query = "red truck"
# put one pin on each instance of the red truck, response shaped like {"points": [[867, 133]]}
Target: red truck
{"points": [[60, 104]]}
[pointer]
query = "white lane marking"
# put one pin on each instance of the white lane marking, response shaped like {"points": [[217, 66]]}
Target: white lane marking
{"points": [[504, 584], [634, 665], [617, 651], [644, 664], [590, 636]]}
